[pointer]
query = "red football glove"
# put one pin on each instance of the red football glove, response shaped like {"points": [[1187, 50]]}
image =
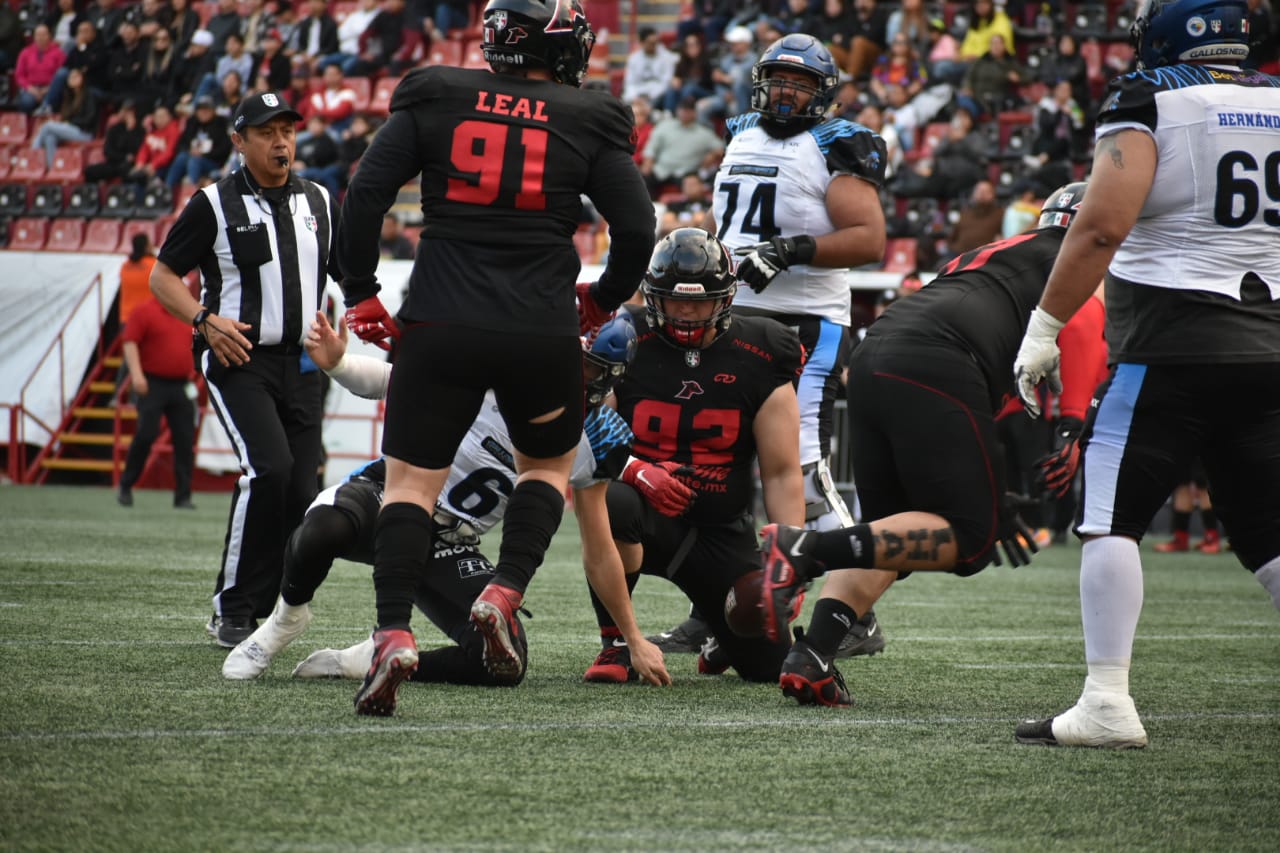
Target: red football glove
{"points": [[657, 483], [1058, 469], [369, 321], [590, 315]]}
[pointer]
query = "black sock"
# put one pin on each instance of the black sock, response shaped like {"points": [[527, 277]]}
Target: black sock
{"points": [[402, 541], [847, 548], [603, 619], [533, 515], [830, 621], [325, 533], [1181, 521], [454, 665]]}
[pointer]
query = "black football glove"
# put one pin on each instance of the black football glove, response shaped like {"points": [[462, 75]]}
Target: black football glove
{"points": [[761, 262], [1013, 535]]}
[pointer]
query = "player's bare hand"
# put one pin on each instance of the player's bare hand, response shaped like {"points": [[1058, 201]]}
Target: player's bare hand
{"points": [[223, 335], [325, 346], [647, 661]]}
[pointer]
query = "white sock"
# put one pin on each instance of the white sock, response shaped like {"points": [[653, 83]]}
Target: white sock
{"points": [[1269, 577], [289, 613], [1110, 603]]}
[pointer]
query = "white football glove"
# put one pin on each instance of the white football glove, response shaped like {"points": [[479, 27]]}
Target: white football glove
{"points": [[1038, 359]]}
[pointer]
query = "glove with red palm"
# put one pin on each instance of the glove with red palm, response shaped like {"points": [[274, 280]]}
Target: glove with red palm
{"points": [[1058, 469], [657, 482], [369, 321], [590, 315]]}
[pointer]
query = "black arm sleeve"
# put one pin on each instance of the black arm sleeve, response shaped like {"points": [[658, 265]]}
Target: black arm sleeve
{"points": [[191, 237], [620, 196], [392, 160], [335, 217]]}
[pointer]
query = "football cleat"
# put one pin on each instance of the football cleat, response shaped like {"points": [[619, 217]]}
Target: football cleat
{"points": [[395, 657], [493, 613], [712, 658], [1211, 544], [352, 662], [864, 638], [787, 572], [612, 665], [811, 678], [1179, 543], [688, 636], [252, 657], [231, 631], [1103, 720]]}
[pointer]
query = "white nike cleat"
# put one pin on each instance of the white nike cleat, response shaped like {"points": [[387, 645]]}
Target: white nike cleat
{"points": [[1105, 720], [352, 662], [252, 657]]}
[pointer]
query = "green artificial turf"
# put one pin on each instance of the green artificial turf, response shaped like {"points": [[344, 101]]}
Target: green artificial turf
{"points": [[118, 732]]}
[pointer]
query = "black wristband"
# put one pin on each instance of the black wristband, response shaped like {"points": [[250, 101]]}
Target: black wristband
{"points": [[198, 320], [805, 248]]}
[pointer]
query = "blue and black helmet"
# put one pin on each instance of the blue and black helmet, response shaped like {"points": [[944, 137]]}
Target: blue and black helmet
{"points": [[1166, 32], [612, 351], [796, 52]]}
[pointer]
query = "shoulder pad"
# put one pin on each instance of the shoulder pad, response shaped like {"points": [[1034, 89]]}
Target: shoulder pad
{"points": [[851, 149], [418, 86]]}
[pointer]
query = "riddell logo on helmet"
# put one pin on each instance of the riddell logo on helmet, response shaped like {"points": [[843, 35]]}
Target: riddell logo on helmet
{"points": [[790, 57]]}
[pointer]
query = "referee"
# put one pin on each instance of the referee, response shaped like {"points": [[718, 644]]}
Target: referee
{"points": [[262, 239]]}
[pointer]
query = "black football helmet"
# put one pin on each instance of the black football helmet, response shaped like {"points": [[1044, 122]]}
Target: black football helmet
{"points": [[1062, 205], [551, 34], [795, 52], [611, 352], [689, 265]]}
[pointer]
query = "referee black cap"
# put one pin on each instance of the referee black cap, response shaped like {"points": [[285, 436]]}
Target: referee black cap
{"points": [[257, 110]]}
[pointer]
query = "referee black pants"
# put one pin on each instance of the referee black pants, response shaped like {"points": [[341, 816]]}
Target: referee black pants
{"points": [[272, 413]]}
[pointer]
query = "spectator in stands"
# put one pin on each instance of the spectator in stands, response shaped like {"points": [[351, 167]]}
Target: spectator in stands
{"points": [[678, 146], [649, 69], [690, 209], [732, 77], [909, 115], [316, 157], [992, 80], [62, 20], [899, 66], [380, 42], [1022, 213], [151, 16], [871, 116], [224, 23], [106, 16], [315, 36], [299, 90], [352, 145], [120, 147], [708, 19], [942, 59], [349, 33], [159, 70], [88, 54], [260, 21], [233, 60], [184, 24], [392, 243], [445, 16], [159, 147], [38, 62], [642, 112], [834, 27], [335, 103], [985, 20], [196, 63], [798, 16], [979, 222], [1059, 123], [228, 98], [868, 39], [287, 23], [912, 19], [1066, 63], [692, 77], [76, 119], [958, 162], [203, 147], [127, 61], [272, 66]]}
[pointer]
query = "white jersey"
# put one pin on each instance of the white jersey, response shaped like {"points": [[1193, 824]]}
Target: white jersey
{"points": [[1217, 182], [768, 186]]}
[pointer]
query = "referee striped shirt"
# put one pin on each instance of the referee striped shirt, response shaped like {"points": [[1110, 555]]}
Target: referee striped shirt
{"points": [[263, 255]]}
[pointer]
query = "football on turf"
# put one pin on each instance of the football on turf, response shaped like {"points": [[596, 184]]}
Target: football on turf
{"points": [[742, 605]]}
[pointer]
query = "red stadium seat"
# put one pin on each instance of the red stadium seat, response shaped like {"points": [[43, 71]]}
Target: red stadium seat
{"points": [[101, 235], [28, 165], [445, 52], [163, 224], [6, 154], [65, 235], [900, 255], [363, 89], [183, 195], [473, 55], [94, 153], [131, 227], [68, 165], [380, 103], [28, 233], [14, 127]]}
